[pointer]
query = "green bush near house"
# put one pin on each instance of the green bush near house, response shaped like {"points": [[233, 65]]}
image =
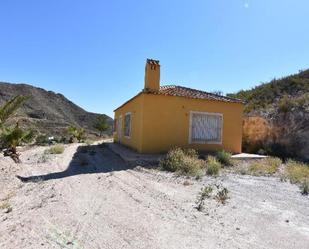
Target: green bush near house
{"points": [[224, 158], [296, 172], [213, 166], [266, 166], [184, 162], [173, 160]]}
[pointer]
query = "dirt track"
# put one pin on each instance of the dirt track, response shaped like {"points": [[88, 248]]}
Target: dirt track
{"points": [[104, 204]]}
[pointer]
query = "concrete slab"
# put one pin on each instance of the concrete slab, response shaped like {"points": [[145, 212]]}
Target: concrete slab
{"points": [[245, 156], [132, 157]]}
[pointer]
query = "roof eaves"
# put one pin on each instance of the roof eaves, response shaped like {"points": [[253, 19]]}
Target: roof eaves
{"points": [[128, 101]]}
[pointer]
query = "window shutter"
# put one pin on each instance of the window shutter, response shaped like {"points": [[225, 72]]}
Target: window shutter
{"points": [[206, 127]]}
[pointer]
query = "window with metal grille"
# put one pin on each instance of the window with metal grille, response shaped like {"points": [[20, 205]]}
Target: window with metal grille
{"points": [[206, 127], [127, 125]]}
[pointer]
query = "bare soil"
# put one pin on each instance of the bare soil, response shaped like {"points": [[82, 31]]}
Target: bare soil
{"points": [[88, 197]]}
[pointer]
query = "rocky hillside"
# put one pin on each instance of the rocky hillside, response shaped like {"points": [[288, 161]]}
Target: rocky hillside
{"points": [[48, 112], [284, 104]]}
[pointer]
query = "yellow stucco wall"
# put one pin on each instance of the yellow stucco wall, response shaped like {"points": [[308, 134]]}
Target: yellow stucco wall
{"points": [[161, 122], [135, 107]]}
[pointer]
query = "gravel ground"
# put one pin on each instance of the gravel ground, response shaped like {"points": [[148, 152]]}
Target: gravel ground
{"points": [[88, 198]]}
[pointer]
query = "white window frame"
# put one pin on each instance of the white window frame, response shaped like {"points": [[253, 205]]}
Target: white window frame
{"points": [[205, 142], [124, 127]]}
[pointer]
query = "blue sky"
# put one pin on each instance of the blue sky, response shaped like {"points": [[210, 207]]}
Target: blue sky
{"points": [[94, 51]]}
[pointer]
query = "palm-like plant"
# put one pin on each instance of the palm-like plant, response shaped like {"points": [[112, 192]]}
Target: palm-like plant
{"points": [[10, 107], [78, 133], [10, 138]]}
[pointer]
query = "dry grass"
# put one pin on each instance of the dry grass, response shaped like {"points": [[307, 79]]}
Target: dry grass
{"points": [[305, 188], [213, 166], [266, 166], [187, 183], [183, 162], [8, 196], [5, 205], [55, 149], [296, 172], [224, 158]]}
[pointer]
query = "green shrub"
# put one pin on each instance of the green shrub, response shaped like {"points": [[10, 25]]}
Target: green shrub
{"points": [[173, 160], [224, 157], [222, 194], [55, 149], [191, 153], [41, 139], [305, 187], [266, 166], [191, 166], [285, 104], [213, 166], [203, 194], [296, 172], [76, 133], [184, 162]]}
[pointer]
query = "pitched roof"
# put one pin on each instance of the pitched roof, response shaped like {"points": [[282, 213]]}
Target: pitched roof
{"points": [[180, 91]]}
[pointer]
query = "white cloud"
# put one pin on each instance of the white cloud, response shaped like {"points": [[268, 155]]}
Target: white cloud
{"points": [[246, 5]]}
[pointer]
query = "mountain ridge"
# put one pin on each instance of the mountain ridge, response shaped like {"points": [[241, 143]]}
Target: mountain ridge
{"points": [[47, 111], [284, 105]]}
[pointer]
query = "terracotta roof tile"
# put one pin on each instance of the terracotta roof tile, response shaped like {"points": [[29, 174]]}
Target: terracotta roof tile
{"points": [[181, 91]]}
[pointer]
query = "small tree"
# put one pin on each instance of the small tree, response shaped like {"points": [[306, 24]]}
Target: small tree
{"points": [[78, 133], [101, 124]]}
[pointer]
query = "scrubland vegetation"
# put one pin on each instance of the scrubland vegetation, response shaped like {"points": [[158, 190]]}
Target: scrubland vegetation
{"points": [[288, 92], [214, 191], [55, 149], [296, 172], [267, 166], [187, 163], [284, 103], [184, 162], [12, 136]]}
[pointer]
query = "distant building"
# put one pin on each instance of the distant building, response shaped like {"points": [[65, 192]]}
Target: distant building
{"points": [[161, 117]]}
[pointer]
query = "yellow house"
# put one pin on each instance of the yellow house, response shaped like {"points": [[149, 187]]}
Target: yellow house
{"points": [[161, 117]]}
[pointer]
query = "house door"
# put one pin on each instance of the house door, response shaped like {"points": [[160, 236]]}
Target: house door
{"points": [[119, 130]]}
